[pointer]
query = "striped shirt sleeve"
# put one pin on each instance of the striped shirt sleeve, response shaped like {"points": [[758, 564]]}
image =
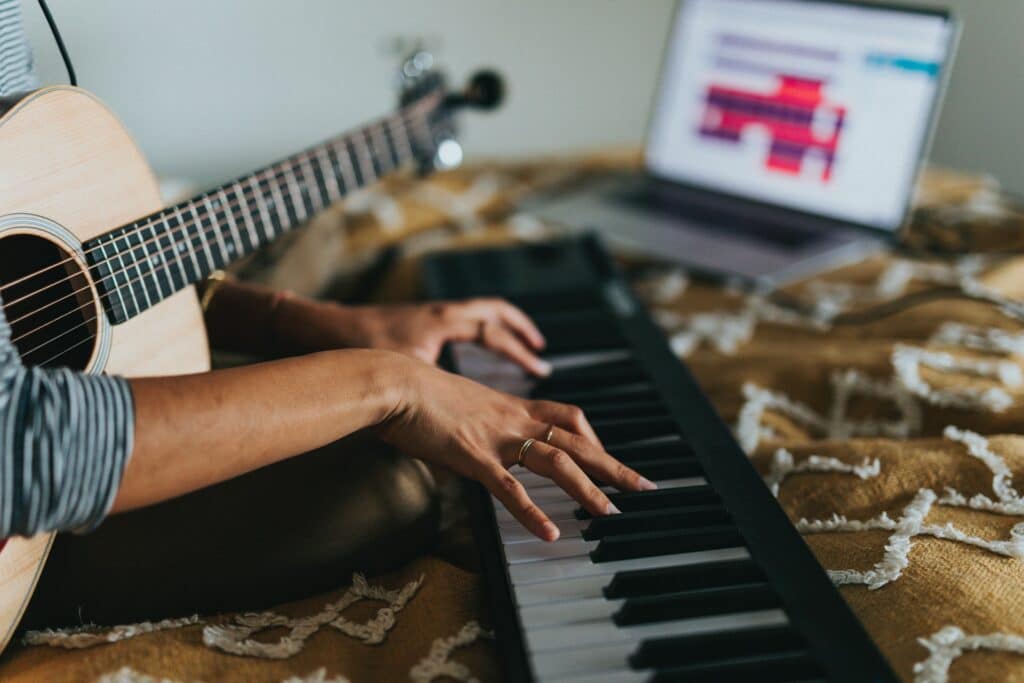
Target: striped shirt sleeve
{"points": [[65, 438]]}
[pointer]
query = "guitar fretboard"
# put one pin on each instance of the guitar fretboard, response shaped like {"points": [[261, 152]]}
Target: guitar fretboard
{"points": [[140, 264]]}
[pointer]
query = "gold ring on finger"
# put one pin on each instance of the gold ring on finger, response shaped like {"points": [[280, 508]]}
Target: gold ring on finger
{"points": [[522, 451]]}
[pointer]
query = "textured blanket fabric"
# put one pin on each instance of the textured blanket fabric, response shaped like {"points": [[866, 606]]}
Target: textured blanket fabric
{"points": [[891, 444]]}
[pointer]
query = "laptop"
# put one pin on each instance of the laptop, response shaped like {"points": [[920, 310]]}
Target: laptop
{"points": [[786, 137]]}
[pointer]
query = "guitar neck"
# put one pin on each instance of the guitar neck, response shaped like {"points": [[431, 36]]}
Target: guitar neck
{"points": [[140, 264]]}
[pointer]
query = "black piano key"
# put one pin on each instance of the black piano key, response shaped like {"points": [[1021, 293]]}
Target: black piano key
{"points": [[633, 407], [634, 501], [699, 602], [558, 301], [657, 450], [602, 395], [673, 579], [634, 428], [783, 667], [655, 520], [580, 332], [709, 647], [589, 377], [653, 543], [666, 468]]}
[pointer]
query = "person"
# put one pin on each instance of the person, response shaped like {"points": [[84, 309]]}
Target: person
{"points": [[76, 448]]}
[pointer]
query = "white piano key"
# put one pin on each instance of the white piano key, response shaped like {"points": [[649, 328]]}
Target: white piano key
{"points": [[561, 591], [562, 510], [594, 662], [517, 553], [570, 528], [558, 638], [617, 676], [552, 493], [575, 567], [566, 613], [557, 514]]}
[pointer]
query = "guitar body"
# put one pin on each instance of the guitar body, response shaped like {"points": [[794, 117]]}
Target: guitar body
{"points": [[69, 171]]}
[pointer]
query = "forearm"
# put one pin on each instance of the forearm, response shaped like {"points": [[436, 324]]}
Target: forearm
{"points": [[249, 318], [197, 430]]}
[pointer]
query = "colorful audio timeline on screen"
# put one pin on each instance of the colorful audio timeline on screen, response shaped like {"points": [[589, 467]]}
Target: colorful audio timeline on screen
{"points": [[812, 105]]}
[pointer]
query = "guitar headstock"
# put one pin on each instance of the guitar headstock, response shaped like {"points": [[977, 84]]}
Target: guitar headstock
{"points": [[423, 86]]}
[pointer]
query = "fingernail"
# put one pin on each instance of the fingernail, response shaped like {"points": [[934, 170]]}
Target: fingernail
{"points": [[543, 368], [551, 531], [612, 510], [647, 485]]}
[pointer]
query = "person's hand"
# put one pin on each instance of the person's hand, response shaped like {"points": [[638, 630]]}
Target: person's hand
{"points": [[478, 432], [420, 330]]}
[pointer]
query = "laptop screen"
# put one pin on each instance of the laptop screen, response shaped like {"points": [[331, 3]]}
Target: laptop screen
{"points": [[817, 106]]}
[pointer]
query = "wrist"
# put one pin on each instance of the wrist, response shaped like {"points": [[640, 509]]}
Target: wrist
{"points": [[391, 380]]}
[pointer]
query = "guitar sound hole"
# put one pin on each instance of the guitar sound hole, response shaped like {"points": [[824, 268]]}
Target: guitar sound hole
{"points": [[48, 303]]}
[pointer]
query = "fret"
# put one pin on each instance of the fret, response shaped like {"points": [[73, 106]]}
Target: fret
{"points": [[376, 135], [218, 233], [280, 204], [243, 203], [183, 241], [298, 202], [403, 139], [364, 163], [139, 253], [264, 210], [169, 245], [201, 233], [158, 261], [238, 247], [421, 131], [316, 184], [359, 179], [348, 174], [328, 173], [121, 278], [108, 278]]}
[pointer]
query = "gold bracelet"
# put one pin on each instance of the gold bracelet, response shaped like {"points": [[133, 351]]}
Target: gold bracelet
{"points": [[213, 283]]}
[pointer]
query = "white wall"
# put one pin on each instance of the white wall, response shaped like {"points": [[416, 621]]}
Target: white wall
{"points": [[213, 88]]}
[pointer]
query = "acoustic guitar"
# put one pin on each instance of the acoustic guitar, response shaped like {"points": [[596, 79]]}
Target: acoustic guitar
{"points": [[97, 275]]}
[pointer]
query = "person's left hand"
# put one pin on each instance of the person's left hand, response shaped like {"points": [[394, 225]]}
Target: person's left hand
{"points": [[419, 330]]}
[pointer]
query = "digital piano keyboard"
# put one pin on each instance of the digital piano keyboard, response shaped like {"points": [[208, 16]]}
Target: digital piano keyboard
{"points": [[704, 579]]}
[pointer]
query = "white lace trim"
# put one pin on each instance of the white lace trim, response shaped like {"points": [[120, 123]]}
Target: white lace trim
{"points": [[438, 663], [236, 638], [80, 637], [127, 674], [896, 556], [947, 644], [988, 339], [836, 425], [907, 362], [783, 466]]}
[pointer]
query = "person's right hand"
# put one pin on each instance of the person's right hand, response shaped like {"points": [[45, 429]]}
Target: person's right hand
{"points": [[477, 431]]}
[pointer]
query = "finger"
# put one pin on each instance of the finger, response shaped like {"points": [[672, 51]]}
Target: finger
{"points": [[504, 342], [599, 464], [513, 496], [568, 417], [502, 311], [514, 317], [559, 466]]}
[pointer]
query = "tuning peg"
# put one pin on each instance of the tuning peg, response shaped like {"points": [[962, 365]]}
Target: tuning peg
{"points": [[485, 90]]}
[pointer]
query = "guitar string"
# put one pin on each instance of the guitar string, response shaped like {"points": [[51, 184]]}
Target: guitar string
{"points": [[206, 232], [284, 167], [182, 227], [409, 112]]}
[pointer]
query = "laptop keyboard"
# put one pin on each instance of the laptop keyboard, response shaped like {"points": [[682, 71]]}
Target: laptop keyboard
{"points": [[664, 201]]}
